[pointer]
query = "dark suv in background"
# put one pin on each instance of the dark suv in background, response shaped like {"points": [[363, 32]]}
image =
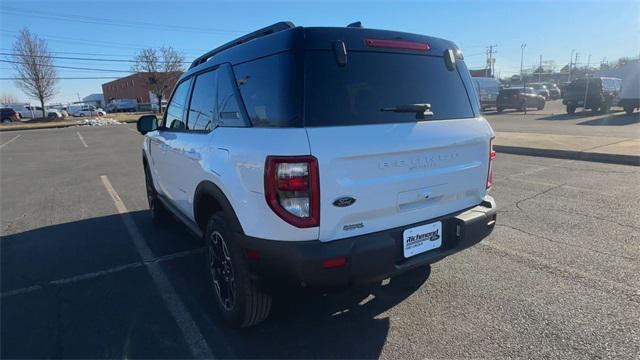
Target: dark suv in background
{"points": [[601, 93], [520, 99], [8, 115]]}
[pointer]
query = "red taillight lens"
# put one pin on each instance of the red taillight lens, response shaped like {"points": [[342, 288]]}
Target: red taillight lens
{"points": [[397, 44], [492, 156], [292, 189]]}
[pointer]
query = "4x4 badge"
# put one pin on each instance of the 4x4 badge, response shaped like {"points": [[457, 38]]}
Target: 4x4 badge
{"points": [[344, 201]]}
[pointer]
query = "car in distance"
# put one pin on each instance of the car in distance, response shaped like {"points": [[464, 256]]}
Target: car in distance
{"points": [[540, 90], [554, 90], [600, 93], [630, 91], [488, 90], [8, 115], [521, 98], [368, 184]]}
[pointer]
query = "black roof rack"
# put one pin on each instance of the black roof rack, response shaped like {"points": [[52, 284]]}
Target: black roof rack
{"points": [[280, 26]]}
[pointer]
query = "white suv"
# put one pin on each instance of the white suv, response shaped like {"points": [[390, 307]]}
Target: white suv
{"points": [[323, 157]]}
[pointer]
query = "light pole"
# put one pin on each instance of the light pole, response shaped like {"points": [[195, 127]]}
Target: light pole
{"points": [[571, 63], [521, 62], [586, 88]]}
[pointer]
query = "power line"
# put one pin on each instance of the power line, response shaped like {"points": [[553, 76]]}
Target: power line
{"points": [[114, 22], [65, 78], [93, 43], [70, 67], [88, 59]]}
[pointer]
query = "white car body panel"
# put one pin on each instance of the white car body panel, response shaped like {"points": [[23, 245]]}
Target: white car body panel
{"points": [[233, 159], [399, 174]]}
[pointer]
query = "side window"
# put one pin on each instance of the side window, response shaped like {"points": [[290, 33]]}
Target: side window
{"points": [[202, 109], [175, 116], [229, 113]]}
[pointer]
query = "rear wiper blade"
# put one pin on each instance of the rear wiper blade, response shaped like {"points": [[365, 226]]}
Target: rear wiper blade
{"points": [[421, 110]]}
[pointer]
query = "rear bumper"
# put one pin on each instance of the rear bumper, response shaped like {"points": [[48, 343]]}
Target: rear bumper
{"points": [[369, 258]]}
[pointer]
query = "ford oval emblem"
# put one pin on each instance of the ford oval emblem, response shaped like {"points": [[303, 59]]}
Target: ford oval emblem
{"points": [[344, 201]]}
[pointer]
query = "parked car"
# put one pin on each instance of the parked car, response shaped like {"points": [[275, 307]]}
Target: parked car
{"points": [[540, 90], [630, 92], [370, 183], [554, 90], [26, 110], [8, 115], [520, 99], [85, 110], [601, 93], [488, 90], [54, 114]]}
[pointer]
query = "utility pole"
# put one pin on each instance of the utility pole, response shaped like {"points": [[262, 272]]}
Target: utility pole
{"points": [[489, 65], [571, 63], [586, 88], [521, 61], [540, 70]]}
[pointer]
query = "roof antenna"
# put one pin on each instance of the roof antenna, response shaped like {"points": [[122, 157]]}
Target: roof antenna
{"points": [[357, 24]]}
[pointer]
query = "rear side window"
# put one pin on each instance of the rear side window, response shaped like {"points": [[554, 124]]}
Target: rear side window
{"points": [[203, 102], [270, 89], [229, 112], [354, 94]]}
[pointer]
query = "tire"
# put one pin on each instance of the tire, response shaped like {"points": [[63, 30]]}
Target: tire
{"points": [[8, 121], [239, 301], [159, 212], [605, 107], [500, 110], [540, 106], [629, 109], [571, 109]]}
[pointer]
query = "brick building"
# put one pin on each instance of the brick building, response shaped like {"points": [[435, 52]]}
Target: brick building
{"points": [[134, 86]]}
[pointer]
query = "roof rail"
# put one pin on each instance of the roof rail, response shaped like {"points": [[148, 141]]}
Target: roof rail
{"points": [[283, 25]]}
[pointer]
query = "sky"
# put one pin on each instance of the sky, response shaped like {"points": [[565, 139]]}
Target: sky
{"points": [[118, 30]]}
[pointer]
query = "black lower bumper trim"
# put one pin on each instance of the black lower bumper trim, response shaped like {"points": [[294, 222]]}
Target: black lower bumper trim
{"points": [[371, 257]]}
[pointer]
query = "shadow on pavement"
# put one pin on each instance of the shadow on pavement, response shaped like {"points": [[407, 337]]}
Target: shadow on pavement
{"points": [[614, 120], [578, 115], [119, 313]]}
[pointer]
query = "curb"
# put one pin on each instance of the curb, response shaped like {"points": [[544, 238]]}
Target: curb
{"points": [[49, 126], [622, 159]]}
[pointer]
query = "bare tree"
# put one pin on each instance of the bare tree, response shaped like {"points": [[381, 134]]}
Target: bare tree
{"points": [[7, 98], [33, 64], [162, 67]]}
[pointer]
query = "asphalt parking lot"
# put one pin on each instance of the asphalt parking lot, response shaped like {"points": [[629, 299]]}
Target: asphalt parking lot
{"points": [[84, 273], [554, 119]]}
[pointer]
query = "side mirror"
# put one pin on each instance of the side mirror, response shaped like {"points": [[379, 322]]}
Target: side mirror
{"points": [[147, 123]]}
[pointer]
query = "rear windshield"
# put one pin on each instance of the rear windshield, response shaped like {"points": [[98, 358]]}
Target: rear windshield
{"points": [[354, 94]]}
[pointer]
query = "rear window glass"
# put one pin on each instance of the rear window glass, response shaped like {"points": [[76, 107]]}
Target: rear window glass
{"points": [[354, 94]]}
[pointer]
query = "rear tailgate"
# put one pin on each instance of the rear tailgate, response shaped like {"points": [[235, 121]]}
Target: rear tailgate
{"points": [[398, 174]]}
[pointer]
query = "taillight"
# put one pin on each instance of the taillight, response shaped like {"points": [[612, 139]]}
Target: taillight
{"points": [[292, 189], [492, 156], [397, 44]]}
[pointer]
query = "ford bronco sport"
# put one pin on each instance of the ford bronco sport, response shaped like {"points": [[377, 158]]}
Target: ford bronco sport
{"points": [[325, 157]]}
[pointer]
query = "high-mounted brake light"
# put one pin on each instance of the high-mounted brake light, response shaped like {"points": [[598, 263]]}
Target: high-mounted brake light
{"points": [[492, 156], [397, 44], [292, 189]]}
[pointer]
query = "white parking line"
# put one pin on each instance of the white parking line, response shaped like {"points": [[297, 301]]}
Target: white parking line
{"points": [[82, 139], [192, 335], [7, 143], [132, 130]]}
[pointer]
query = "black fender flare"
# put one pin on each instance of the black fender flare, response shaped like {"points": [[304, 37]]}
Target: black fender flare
{"points": [[206, 187]]}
